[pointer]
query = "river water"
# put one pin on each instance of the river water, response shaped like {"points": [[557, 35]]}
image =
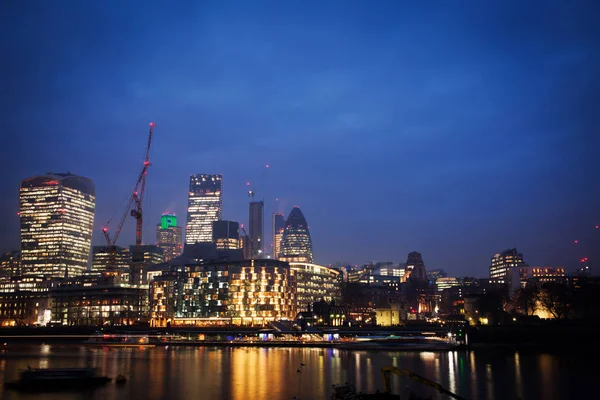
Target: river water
{"points": [[272, 373]]}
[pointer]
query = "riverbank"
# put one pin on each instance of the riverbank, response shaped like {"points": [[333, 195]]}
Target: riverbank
{"points": [[5, 348]]}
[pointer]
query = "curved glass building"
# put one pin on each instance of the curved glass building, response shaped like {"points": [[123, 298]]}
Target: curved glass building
{"points": [[296, 245], [57, 218]]}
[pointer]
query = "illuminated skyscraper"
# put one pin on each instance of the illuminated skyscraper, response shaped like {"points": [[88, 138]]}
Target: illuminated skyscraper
{"points": [[226, 235], [255, 228], [57, 218], [168, 236], [296, 245], [205, 205], [278, 228]]}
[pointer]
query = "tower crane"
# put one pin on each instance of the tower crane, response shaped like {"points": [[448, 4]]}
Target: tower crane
{"points": [[134, 208]]}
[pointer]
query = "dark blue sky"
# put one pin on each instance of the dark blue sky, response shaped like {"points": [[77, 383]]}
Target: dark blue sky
{"points": [[457, 129]]}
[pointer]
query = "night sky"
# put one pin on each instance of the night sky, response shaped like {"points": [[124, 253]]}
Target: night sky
{"points": [[458, 130]]}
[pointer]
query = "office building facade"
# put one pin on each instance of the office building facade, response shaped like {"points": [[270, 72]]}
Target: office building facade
{"points": [[315, 283], [169, 236], [205, 205], [101, 258], [446, 283], [10, 263], [57, 219], [296, 244], [277, 226]]}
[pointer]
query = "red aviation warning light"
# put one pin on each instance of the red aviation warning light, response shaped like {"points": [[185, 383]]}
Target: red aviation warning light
{"points": [[152, 124], [575, 241]]}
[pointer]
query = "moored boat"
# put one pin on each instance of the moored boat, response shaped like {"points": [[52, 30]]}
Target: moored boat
{"points": [[57, 379]]}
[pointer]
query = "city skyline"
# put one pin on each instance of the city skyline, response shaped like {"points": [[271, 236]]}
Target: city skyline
{"points": [[472, 141]]}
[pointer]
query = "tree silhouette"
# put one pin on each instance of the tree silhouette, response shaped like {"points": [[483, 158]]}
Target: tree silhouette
{"points": [[527, 299], [556, 298]]}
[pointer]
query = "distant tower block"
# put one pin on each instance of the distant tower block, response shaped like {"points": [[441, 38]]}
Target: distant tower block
{"points": [[205, 205], [255, 228], [169, 236]]}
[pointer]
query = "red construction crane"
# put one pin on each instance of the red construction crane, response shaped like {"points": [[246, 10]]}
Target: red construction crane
{"points": [[133, 208]]}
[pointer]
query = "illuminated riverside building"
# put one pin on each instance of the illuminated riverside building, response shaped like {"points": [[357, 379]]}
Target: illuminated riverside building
{"points": [[10, 263], [205, 205], [88, 301], [249, 292], [25, 301], [503, 263], [57, 218], [278, 226], [315, 283], [169, 236], [226, 235], [101, 258], [296, 244]]}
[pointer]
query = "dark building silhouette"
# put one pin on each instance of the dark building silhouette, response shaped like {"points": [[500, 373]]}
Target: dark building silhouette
{"points": [[256, 228], [226, 235], [415, 268], [296, 244]]}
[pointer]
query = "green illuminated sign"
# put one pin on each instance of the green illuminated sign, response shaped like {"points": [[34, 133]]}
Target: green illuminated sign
{"points": [[167, 221]]}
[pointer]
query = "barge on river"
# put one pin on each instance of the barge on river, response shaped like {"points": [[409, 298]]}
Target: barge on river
{"points": [[57, 379]]}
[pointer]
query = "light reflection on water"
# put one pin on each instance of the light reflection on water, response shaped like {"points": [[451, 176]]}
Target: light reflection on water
{"points": [[242, 373]]}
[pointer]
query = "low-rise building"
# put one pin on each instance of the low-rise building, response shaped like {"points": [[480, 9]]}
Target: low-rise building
{"points": [[25, 301], [392, 315], [542, 274], [446, 283]]}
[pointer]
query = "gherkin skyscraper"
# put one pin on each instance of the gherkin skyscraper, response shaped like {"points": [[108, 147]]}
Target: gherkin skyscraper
{"points": [[296, 245]]}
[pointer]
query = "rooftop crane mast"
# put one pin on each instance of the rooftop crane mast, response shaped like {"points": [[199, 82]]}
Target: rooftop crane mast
{"points": [[134, 208]]}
